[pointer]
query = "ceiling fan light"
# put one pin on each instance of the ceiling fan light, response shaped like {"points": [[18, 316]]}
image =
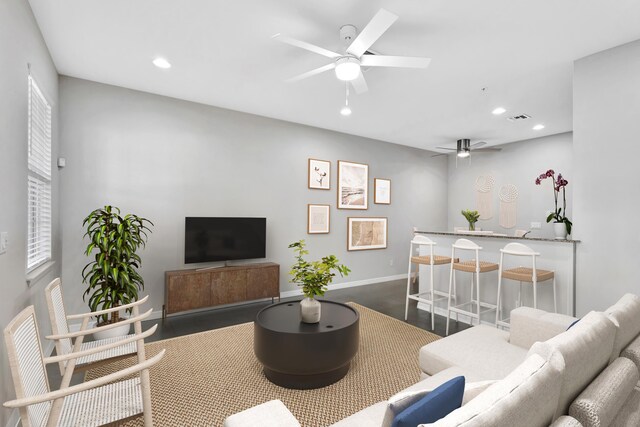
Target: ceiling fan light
{"points": [[347, 69], [345, 111], [464, 154], [498, 111]]}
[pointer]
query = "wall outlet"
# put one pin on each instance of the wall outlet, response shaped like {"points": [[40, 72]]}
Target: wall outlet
{"points": [[536, 226], [4, 242]]}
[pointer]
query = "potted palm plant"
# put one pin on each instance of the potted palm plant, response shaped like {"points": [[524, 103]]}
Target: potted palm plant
{"points": [[561, 223], [314, 278], [112, 278]]}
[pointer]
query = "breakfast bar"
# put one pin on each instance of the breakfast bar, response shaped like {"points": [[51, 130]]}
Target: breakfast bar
{"points": [[556, 255]]}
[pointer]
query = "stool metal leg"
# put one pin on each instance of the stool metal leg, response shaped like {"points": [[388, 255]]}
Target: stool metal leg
{"points": [[406, 303], [498, 302], [555, 302], [478, 292], [451, 278], [433, 298], [535, 293]]}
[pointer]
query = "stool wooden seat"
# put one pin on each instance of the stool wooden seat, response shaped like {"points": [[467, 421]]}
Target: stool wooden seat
{"points": [[474, 307], [470, 266], [431, 260], [525, 274], [531, 275], [437, 260]]}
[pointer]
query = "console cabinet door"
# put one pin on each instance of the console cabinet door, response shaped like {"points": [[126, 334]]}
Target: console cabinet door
{"points": [[188, 291], [263, 282], [228, 286]]}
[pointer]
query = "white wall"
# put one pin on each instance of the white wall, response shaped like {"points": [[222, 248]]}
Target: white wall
{"points": [[166, 159], [606, 95], [518, 163], [21, 43]]}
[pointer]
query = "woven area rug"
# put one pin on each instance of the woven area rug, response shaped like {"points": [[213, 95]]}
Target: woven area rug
{"points": [[208, 376]]}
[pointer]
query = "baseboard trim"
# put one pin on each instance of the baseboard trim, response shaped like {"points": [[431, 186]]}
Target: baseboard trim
{"points": [[343, 285]]}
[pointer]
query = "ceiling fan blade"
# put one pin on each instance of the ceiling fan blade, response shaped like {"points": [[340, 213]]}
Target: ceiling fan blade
{"points": [[394, 61], [487, 150], [304, 45], [360, 84], [478, 144], [372, 32], [447, 148], [311, 73], [440, 154]]}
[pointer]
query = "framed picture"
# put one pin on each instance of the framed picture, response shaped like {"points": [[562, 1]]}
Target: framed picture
{"points": [[319, 174], [366, 233], [317, 219], [353, 181], [382, 191]]}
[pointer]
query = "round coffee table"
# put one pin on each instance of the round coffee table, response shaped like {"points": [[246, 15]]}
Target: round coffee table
{"points": [[302, 355]]}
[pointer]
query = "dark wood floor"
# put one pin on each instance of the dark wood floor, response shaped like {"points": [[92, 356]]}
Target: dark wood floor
{"points": [[386, 297]]}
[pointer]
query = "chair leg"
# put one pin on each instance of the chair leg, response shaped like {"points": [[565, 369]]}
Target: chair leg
{"points": [[406, 303], [535, 294], [478, 296], [520, 304], [433, 300], [555, 301], [498, 302], [449, 299], [455, 292]]}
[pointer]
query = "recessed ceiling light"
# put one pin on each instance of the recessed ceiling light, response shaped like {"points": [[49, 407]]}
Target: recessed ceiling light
{"points": [[345, 111], [499, 111], [538, 127], [161, 63]]}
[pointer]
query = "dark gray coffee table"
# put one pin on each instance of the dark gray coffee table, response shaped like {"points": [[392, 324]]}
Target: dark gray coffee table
{"points": [[301, 355]]}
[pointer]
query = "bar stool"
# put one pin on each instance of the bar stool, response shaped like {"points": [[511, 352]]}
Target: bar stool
{"points": [[522, 274], [475, 267], [431, 260]]}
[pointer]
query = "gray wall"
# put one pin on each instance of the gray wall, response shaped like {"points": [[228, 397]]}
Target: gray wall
{"points": [[165, 159], [606, 96], [21, 43], [518, 163]]}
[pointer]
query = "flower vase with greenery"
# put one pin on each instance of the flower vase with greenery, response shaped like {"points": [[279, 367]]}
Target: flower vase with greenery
{"points": [[471, 217], [314, 278], [112, 278], [559, 215]]}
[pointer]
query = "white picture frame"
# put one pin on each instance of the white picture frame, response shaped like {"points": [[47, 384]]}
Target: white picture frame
{"points": [[318, 219], [353, 185], [319, 174], [367, 233]]}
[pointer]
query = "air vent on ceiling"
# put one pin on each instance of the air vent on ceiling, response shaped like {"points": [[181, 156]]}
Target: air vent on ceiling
{"points": [[519, 118]]}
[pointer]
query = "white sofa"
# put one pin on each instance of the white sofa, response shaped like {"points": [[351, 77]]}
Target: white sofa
{"points": [[540, 374]]}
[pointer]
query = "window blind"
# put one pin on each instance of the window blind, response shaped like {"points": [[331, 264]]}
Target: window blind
{"points": [[39, 178]]}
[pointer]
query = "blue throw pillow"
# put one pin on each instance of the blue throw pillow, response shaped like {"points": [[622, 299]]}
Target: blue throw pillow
{"points": [[435, 405], [573, 323]]}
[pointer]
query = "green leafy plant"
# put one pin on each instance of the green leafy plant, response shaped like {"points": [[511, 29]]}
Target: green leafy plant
{"points": [[314, 276], [472, 217], [559, 215], [112, 278]]}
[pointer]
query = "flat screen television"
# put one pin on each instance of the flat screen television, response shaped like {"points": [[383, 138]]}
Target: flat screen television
{"points": [[210, 239]]}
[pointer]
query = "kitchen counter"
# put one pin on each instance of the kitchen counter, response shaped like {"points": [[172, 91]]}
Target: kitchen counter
{"points": [[496, 236]]}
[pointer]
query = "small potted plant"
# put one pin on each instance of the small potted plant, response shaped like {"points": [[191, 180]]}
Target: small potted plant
{"points": [[313, 277], [112, 278], [472, 217], [561, 224]]}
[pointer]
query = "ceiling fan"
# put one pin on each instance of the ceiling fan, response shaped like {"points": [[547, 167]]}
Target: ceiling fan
{"points": [[348, 64], [464, 147]]}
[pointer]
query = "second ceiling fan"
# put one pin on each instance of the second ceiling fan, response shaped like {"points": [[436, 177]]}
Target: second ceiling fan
{"points": [[464, 147], [348, 65]]}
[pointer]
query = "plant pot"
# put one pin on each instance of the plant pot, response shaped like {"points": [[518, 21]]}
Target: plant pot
{"points": [[560, 230], [310, 310], [118, 331]]}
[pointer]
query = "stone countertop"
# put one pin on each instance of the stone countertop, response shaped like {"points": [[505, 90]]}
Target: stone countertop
{"points": [[498, 236]]}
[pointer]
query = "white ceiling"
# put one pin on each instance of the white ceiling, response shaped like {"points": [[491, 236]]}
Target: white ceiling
{"points": [[223, 55]]}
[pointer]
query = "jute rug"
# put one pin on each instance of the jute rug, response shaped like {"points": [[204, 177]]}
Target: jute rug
{"points": [[205, 377]]}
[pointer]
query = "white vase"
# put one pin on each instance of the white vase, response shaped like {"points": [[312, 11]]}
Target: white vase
{"points": [[118, 331], [560, 230], [310, 310]]}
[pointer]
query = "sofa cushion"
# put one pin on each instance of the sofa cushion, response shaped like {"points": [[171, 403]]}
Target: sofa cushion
{"points": [[527, 397], [599, 403], [483, 352], [433, 406], [566, 421], [585, 348], [530, 325], [268, 414], [625, 314], [369, 416], [629, 414], [632, 352]]}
